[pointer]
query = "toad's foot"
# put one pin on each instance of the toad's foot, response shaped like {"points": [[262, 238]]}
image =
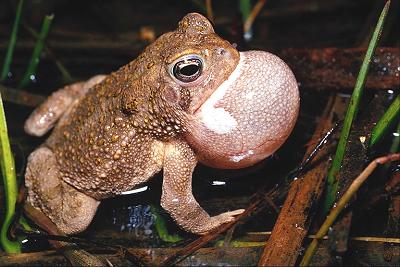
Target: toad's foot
{"points": [[218, 220]]}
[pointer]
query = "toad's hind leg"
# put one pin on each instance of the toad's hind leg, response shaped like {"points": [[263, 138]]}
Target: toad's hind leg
{"points": [[47, 114], [70, 210]]}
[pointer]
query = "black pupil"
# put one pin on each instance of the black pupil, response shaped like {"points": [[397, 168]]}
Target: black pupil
{"points": [[189, 70]]}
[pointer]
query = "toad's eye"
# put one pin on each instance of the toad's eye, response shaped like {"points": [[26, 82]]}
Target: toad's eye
{"points": [[188, 68]]}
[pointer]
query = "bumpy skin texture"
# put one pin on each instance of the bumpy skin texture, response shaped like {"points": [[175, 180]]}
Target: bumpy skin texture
{"points": [[115, 132]]}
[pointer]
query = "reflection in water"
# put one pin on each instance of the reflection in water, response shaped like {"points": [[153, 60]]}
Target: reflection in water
{"points": [[218, 182], [134, 191], [135, 219]]}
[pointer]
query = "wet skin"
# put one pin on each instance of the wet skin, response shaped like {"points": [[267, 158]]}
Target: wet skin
{"points": [[189, 97]]}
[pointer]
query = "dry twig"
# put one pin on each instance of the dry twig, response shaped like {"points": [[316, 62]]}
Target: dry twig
{"points": [[342, 203], [253, 14]]}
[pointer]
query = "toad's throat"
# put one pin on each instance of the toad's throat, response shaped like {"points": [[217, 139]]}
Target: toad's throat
{"points": [[218, 119]]}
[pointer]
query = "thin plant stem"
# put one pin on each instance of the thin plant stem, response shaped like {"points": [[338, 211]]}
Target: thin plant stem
{"points": [[37, 51], [11, 45], [10, 184], [210, 15], [332, 181], [253, 15], [245, 9], [356, 238], [396, 140], [241, 244], [67, 78], [341, 204]]}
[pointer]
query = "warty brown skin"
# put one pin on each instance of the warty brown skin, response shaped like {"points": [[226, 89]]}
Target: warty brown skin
{"points": [[115, 132]]}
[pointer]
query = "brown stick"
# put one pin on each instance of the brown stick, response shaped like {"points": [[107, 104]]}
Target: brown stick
{"points": [[342, 203], [291, 227], [21, 97], [338, 68], [210, 15], [253, 15]]}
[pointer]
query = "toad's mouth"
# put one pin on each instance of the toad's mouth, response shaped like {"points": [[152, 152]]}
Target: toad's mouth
{"points": [[218, 94], [215, 116], [249, 115]]}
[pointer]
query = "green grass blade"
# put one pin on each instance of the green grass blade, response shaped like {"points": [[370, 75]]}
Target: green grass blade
{"points": [[37, 51], [11, 45], [10, 184], [396, 141], [391, 114], [161, 227], [332, 182], [66, 76], [245, 9]]}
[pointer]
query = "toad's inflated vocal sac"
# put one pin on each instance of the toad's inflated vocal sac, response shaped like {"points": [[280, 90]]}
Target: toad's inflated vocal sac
{"points": [[189, 97]]}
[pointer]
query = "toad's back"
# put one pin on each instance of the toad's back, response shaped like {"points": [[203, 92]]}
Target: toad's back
{"points": [[100, 149]]}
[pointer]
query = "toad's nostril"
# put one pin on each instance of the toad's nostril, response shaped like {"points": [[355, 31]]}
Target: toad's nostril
{"points": [[221, 51]]}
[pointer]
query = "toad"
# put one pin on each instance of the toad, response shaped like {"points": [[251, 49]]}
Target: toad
{"points": [[189, 97]]}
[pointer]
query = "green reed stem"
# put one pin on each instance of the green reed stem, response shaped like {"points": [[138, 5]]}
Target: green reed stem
{"points": [[332, 181], [11, 45], [161, 227], [391, 114], [10, 185], [347, 196], [37, 51]]}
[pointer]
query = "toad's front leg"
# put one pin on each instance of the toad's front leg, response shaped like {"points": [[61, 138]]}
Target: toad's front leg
{"points": [[177, 197]]}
